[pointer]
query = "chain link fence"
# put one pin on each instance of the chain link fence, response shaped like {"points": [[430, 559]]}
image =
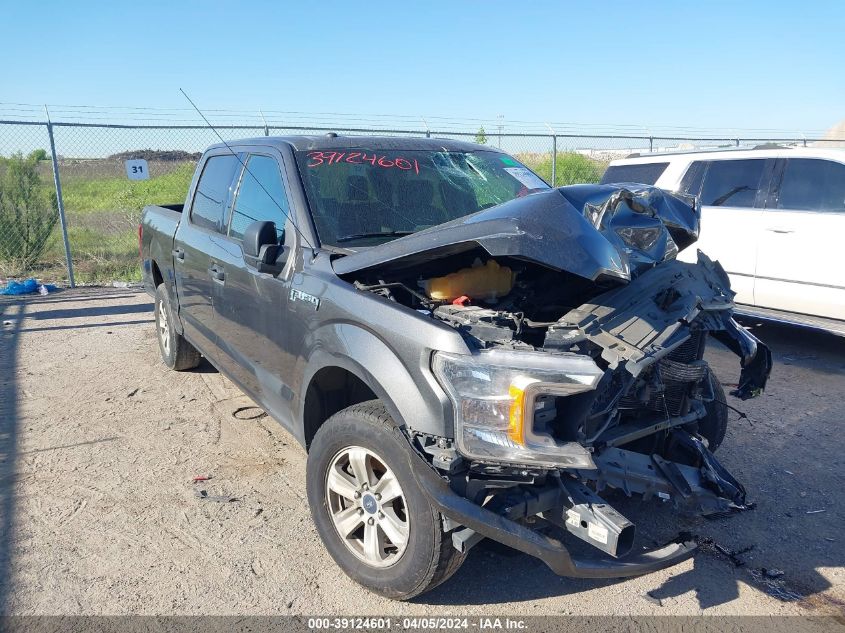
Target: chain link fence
{"points": [[28, 204], [101, 207]]}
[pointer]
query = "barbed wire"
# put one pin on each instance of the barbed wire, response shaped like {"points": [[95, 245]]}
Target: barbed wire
{"points": [[280, 118]]}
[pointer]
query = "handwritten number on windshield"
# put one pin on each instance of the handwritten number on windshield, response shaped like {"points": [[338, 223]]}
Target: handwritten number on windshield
{"points": [[357, 158]]}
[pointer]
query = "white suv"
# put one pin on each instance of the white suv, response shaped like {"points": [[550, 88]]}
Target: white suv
{"points": [[773, 217]]}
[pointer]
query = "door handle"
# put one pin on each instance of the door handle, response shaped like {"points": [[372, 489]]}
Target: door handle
{"points": [[217, 274], [179, 254], [780, 231]]}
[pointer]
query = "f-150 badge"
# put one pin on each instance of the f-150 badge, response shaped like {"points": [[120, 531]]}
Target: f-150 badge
{"points": [[298, 295]]}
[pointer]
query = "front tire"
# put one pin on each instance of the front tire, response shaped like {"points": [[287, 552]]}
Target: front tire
{"points": [[176, 352], [368, 509], [714, 425]]}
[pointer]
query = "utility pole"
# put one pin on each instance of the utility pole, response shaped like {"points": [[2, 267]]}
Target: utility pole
{"points": [[501, 119]]}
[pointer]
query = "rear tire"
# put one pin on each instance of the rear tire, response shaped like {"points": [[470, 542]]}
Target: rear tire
{"points": [[176, 352], [393, 543]]}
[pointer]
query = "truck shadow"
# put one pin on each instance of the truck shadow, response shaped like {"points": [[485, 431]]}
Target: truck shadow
{"points": [[93, 311], [74, 297], [93, 315], [9, 422], [789, 455]]}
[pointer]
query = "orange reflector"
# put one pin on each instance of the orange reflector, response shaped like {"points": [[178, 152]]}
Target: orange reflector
{"points": [[516, 421]]}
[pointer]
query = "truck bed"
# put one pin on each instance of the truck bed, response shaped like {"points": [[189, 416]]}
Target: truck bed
{"points": [[158, 228]]}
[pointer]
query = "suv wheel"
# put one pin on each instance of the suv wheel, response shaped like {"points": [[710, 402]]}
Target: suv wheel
{"points": [[368, 509]]}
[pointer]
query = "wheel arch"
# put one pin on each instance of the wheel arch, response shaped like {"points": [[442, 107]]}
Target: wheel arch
{"points": [[334, 383], [158, 278], [170, 288], [331, 389], [343, 351]]}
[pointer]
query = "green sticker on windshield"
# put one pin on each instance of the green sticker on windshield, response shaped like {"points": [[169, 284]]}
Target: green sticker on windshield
{"points": [[507, 160]]}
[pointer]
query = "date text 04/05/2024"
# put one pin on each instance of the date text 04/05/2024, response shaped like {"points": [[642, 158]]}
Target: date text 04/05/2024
{"points": [[417, 623]]}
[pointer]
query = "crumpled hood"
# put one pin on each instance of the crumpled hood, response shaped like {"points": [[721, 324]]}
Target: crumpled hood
{"points": [[592, 231]]}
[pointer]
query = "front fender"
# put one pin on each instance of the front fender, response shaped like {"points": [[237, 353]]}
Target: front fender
{"points": [[409, 391]]}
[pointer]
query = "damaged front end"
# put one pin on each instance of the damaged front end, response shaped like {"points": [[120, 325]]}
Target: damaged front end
{"points": [[586, 371]]}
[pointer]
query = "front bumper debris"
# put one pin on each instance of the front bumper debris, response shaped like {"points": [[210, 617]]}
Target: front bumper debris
{"points": [[569, 504], [486, 523]]}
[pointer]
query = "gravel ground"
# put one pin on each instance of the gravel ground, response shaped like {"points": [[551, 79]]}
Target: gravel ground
{"points": [[99, 443]]}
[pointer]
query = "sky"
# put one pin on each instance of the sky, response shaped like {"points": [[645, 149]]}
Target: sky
{"points": [[710, 65]]}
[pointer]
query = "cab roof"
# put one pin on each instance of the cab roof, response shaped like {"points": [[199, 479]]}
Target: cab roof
{"points": [[375, 143]]}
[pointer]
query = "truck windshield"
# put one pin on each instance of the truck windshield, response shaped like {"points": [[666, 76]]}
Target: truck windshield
{"points": [[362, 197]]}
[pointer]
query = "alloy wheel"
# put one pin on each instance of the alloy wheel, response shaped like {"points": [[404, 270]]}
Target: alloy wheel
{"points": [[367, 506]]}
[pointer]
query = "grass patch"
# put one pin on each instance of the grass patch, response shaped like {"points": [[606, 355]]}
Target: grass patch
{"points": [[571, 168], [103, 212], [103, 215], [82, 196]]}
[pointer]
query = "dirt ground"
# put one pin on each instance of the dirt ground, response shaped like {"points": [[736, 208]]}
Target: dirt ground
{"points": [[99, 443]]}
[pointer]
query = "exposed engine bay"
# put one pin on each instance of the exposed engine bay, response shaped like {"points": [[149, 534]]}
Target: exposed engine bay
{"points": [[583, 280]]}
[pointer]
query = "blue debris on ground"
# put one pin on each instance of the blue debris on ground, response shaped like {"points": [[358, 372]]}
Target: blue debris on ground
{"points": [[26, 287]]}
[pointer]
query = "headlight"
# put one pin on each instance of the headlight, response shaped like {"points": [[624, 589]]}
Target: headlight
{"points": [[494, 393]]}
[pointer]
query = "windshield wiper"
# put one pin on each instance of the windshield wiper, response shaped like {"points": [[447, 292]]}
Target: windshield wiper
{"points": [[359, 236]]}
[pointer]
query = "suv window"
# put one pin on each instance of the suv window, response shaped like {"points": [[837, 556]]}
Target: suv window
{"points": [[810, 184], [694, 176], [645, 173], [261, 196], [212, 196], [732, 183]]}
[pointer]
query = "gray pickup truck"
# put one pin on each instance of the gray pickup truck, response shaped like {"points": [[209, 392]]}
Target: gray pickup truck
{"points": [[464, 351]]}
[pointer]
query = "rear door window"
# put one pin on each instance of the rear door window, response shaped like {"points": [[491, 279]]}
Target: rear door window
{"points": [[645, 173], [261, 196], [694, 176], [810, 184], [213, 192], [732, 183]]}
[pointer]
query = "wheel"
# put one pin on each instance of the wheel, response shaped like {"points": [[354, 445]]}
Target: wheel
{"points": [[176, 352], [714, 425], [368, 509]]}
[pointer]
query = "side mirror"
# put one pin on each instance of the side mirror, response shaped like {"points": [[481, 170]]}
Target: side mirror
{"points": [[261, 248]]}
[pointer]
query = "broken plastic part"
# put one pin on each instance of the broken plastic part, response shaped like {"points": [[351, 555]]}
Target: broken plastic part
{"points": [[756, 358], [714, 476], [637, 324]]}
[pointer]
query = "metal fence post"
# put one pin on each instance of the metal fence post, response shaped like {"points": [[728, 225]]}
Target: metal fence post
{"points": [[650, 144], [61, 203], [554, 160]]}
